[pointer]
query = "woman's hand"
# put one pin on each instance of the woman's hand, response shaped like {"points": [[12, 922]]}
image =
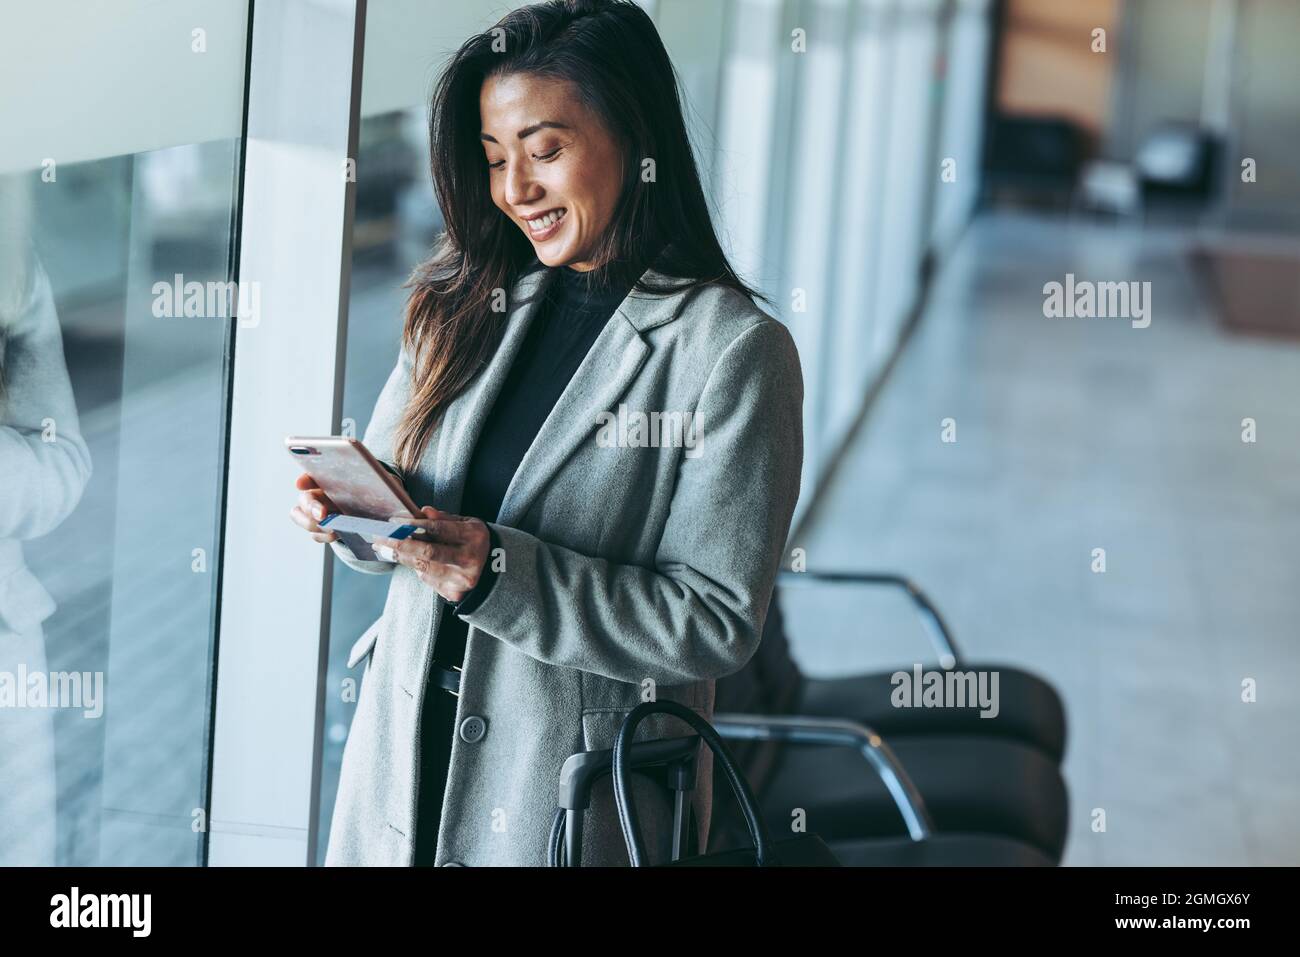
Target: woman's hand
{"points": [[449, 555], [312, 506]]}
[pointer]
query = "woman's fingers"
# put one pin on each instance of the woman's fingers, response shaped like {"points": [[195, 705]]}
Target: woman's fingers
{"points": [[439, 565], [307, 485], [305, 521], [445, 552], [446, 528], [313, 505], [420, 555], [447, 579]]}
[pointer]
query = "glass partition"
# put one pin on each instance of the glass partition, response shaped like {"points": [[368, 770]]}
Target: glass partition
{"points": [[118, 186]]}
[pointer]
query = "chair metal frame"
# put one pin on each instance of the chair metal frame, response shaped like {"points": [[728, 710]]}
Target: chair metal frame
{"points": [[936, 628]]}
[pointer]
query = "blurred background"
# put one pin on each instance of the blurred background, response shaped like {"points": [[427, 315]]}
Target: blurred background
{"points": [[903, 178]]}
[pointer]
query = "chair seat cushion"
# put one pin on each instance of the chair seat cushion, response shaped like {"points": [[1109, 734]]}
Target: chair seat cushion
{"points": [[969, 785]]}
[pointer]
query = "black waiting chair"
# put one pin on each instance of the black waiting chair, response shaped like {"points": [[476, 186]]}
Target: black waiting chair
{"points": [[1178, 164], [1030, 710], [996, 778], [1034, 157], [848, 767]]}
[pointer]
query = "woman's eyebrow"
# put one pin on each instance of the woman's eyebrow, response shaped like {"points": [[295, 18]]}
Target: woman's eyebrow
{"points": [[528, 131]]}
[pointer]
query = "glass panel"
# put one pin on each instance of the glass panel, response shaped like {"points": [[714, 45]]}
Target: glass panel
{"points": [[813, 204], [852, 358], [115, 232], [908, 171]]}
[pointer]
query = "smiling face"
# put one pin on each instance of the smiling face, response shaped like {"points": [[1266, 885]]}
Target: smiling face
{"points": [[553, 167]]}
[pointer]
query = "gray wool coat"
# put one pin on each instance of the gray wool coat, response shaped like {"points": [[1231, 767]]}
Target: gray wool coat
{"points": [[631, 568]]}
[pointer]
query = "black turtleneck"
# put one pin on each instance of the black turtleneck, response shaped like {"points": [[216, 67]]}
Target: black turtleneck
{"points": [[569, 318]]}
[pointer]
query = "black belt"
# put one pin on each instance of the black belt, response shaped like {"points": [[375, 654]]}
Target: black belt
{"points": [[448, 679]]}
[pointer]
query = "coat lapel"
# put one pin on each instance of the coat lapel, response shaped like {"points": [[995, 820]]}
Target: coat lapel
{"points": [[601, 380], [603, 377]]}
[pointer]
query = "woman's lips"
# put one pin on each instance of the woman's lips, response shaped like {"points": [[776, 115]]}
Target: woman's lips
{"points": [[556, 217]]}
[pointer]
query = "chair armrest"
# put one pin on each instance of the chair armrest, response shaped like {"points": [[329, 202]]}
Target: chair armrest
{"points": [[801, 729], [940, 637]]}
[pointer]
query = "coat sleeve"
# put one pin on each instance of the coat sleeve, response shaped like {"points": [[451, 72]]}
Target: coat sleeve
{"points": [[380, 439], [698, 612], [44, 462]]}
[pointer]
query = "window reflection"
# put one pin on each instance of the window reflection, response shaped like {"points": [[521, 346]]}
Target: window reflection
{"points": [[107, 579]]}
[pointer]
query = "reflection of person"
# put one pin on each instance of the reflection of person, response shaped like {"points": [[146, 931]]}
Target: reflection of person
{"points": [[44, 466], [581, 573]]}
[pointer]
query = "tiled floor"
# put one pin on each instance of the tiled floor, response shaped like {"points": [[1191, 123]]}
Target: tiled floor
{"points": [[1082, 434]]}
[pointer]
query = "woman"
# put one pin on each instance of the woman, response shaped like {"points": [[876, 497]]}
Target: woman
{"points": [[608, 430], [44, 466]]}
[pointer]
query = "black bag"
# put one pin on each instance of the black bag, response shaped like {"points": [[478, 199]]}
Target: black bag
{"points": [[804, 850]]}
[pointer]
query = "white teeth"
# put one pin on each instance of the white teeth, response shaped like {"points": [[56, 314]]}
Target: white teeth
{"points": [[545, 222]]}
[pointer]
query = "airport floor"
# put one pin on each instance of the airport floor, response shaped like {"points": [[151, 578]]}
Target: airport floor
{"points": [[1073, 435]]}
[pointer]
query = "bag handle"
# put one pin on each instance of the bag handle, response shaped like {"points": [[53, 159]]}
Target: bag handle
{"points": [[627, 815]]}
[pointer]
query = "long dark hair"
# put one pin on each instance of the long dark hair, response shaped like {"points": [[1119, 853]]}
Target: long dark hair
{"points": [[611, 53]]}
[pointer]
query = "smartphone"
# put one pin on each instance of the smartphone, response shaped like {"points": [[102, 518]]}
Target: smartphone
{"points": [[351, 477]]}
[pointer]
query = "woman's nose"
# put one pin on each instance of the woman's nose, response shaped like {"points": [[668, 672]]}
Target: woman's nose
{"points": [[521, 188]]}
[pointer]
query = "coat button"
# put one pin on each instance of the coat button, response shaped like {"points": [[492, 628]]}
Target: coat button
{"points": [[472, 729]]}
